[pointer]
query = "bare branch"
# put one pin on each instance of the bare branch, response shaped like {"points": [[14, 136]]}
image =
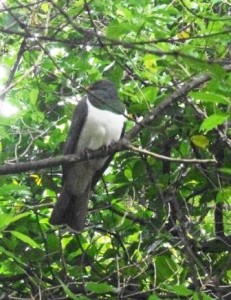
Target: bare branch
{"points": [[67, 159], [56, 161], [177, 160]]}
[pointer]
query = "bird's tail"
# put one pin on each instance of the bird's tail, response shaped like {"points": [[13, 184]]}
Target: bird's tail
{"points": [[70, 210]]}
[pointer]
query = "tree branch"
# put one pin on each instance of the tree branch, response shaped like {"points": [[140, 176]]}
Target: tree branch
{"points": [[178, 94], [67, 159], [177, 160], [123, 144], [58, 160]]}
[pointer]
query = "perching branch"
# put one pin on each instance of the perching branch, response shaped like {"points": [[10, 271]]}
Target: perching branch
{"points": [[123, 144], [67, 159], [56, 161]]}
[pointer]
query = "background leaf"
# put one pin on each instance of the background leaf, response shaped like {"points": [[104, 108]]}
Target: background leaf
{"points": [[26, 239], [213, 121], [99, 288]]}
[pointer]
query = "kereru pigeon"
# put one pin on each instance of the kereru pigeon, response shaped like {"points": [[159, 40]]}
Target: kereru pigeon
{"points": [[97, 122]]}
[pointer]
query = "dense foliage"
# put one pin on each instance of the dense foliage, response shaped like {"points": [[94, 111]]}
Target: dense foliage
{"points": [[158, 228]]}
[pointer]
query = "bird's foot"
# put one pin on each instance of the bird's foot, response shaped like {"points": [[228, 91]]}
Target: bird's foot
{"points": [[107, 148], [86, 153]]}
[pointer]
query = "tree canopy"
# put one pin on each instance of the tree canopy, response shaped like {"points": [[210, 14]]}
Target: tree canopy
{"points": [[159, 224]]}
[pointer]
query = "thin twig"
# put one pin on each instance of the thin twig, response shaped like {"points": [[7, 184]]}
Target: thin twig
{"points": [[11, 84], [178, 160]]}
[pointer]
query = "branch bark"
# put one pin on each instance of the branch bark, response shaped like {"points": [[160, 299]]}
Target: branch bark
{"points": [[54, 161], [67, 159]]}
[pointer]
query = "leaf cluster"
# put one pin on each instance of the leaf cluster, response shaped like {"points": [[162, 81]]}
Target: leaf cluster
{"points": [[157, 229]]}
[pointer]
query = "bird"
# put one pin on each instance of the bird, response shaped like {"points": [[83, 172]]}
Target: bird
{"points": [[98, 121]]}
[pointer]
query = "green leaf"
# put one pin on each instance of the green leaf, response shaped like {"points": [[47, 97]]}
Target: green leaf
{"points": [[25, 238], [185, 148], [7, 219], [213, 121], [34, 96], [11, 255], [45, 7], [216, 71], [99, 288], [153, 297], [150, 62], [150, 93], [224, 195], [202, 296], [70, 294], [38, 116], [128, 173], [210, 97], [225, 170], [200, 141], [3, 133], [116, 29], [181, 290]]}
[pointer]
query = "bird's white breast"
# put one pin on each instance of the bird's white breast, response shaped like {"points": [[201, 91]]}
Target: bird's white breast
{"points": [[101, 128]]}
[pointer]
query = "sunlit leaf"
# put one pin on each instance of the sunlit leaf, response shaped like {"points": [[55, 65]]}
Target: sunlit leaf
{"points": [[150, 61], [210, 97], [200, 141], [45, 7], [115, 29], [99, 288], [11, 255], [225, 170], [224, 195], [25, 238], [153, 297], [69, 292], [34, 96], [213, 121], [183, 35], [7, 219], [203, 296], [181, 290], [37, 179]]}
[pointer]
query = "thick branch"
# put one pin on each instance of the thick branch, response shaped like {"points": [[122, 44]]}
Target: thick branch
{"points": [[66, 159], [56, 161]]}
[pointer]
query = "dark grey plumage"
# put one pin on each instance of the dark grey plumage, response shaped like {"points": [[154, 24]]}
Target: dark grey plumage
{"points": [[80, 178]]}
